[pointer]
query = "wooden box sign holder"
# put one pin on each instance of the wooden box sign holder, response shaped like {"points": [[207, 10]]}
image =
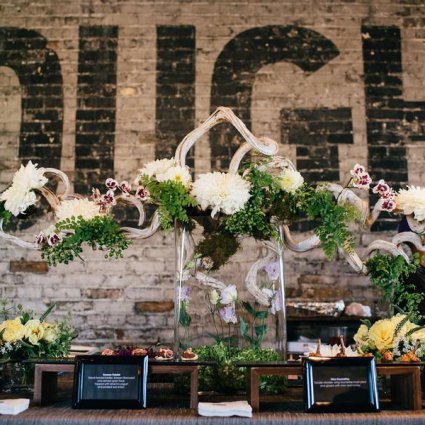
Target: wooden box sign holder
{"points": [[405, 380], [110, 382], [46, 376]]}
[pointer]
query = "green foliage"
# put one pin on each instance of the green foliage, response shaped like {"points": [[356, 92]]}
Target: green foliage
{"points": [[390, 274], [101, 232], [5, 215], [332, 219], [219, 247], [227, 377], [253, 219], [255, 329], [172, 199]]}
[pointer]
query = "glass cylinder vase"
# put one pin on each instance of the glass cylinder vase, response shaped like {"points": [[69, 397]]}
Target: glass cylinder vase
{"points": [[17, 377], [228, 290]]}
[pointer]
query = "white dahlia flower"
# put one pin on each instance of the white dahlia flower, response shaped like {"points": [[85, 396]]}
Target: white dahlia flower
{"points": [[290, 180], [160, 166], [76, 208], [412, 201], [19, 196], [177, 174], [221, 192]]}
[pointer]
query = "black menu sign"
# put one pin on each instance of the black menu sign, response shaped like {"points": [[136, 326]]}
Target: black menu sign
{"points": [[110, 382], [346, 384]]}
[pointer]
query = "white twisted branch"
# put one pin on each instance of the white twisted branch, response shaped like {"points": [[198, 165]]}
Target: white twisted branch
{"points": [[265, 145]]}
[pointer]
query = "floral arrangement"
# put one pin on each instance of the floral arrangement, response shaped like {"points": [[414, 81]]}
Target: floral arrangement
{"points": [[81, 221], [26, 336], [395, 338]]}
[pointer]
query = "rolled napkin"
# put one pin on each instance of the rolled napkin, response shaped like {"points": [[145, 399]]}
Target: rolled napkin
{"points": [[227, 408], [14, 406]]}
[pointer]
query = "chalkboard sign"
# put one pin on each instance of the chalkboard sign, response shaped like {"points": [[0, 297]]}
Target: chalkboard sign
{"points": [[108, 382], [346, 384]]}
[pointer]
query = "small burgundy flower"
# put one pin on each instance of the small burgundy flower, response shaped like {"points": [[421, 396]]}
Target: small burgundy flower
{"points": [[358, 170], [111, 184], [382, 188], [53, 239], [142, 193], [108, 198], [103, 209], [95, 194], [125, 186], [388, 205], [40, 239], [362, 181]]}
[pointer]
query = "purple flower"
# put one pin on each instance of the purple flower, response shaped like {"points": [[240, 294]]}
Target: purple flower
{"points": [[142, 193], [272, 269], [125, 187], [111, 184], [40, 239], [362, 181], [185, 293], [388, 205], [228, 314], [228, 295], [53, 239], [358, 170], [382, 188]]}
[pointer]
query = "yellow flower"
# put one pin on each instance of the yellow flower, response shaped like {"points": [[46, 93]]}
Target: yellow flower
{"points": [[381, 333], [361, 334], [13, 330], [50, 332], [34, 331], [420, 334]]}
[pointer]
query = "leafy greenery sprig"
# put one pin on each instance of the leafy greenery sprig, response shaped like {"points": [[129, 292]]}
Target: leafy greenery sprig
{"points": [[5, 215], [172, 198], [100, 232], [390, 274], [332, 219], [253, 219]]}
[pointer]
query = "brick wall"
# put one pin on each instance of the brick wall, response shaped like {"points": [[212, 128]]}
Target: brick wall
{"points": [[101, 87]]}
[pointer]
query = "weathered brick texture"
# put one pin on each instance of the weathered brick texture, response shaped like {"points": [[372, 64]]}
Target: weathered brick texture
{"points": [[102, 87]]}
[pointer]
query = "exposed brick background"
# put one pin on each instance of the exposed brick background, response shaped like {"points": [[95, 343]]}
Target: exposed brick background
{"points": [[100, 87]]}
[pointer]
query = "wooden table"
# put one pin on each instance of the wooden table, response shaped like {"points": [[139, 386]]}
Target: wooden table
{"points": [[405, 380], [46, 375]]}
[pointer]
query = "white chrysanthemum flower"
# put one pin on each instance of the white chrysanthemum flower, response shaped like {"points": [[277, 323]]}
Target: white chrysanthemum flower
{"points": [[222, 192], [290, 180], [177, 174], [20, 194], [160, 166], [76, 208], [412, 201]]}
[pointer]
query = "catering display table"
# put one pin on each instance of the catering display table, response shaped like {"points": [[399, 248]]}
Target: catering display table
{"points": [[46, 375], [405, 380]]}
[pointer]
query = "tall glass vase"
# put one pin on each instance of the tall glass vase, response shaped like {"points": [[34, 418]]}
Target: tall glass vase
{"points": [[211, 268]]}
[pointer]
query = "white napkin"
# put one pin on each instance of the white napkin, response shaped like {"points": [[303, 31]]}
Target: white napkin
{"points": [[227, 408], [14, 406]]}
